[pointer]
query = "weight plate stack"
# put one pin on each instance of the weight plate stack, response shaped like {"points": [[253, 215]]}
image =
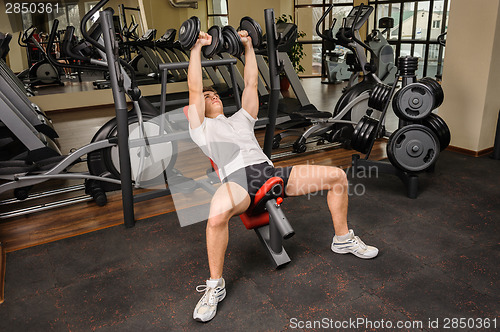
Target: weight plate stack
{"points": [[436, 88], [232, 41], [407, 65], [413, 148], [379, 96], [254, 30], [439, 127], [189, 32], [364, 134], [413, 102], [217, 42]]}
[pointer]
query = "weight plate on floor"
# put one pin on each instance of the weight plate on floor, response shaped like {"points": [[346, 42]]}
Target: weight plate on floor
{"points": [[413, 148], [189, 32], [217, 42], [254, 30], [413, 102]]}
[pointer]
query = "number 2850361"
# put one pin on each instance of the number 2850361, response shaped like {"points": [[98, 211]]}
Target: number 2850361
{"points": [[31, 7]]}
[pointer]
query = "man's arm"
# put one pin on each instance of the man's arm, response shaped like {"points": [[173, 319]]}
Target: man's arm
{"points": [[195, 82], [250, 97]]}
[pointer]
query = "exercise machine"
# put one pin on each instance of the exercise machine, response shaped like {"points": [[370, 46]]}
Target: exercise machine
{"points": [[42, 72], [383, 52], [337, 126], [44, 161]]}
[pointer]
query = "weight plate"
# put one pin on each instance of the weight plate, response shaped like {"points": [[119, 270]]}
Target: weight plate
{"points": [[189, 32], [437, 124], [370, 135], [379, 96], [232, 41], [254, 30], [361, 139], [358, 139], [216, 46], [413, 148], [373, 101], [414, 102], [357, 129], [437, 90], [446, 130]]}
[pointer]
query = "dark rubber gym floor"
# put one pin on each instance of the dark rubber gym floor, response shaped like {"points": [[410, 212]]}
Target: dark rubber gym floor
{"points": [[439, 259]]}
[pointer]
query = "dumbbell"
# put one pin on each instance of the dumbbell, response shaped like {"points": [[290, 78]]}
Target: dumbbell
{"points": [[224, 39]]}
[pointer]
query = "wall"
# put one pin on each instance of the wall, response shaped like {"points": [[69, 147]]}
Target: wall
{"points": [[471, 75], [11, 23], [492, 102], [161, 15]]}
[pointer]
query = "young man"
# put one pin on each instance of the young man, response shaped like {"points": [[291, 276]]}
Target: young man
{"points": [[243, 168]]}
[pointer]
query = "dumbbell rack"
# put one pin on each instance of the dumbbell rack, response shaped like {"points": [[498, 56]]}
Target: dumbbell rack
{"points": [[409, 179]]}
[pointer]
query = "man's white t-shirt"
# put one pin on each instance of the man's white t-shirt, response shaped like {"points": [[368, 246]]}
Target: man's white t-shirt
{"points": [[229, 142]]}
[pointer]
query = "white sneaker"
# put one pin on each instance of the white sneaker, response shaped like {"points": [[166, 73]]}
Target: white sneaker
{"points": [[354, 246], [206, 308]]}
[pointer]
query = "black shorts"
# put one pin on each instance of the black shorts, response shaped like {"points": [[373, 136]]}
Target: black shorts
{"points": [[254, 176]]}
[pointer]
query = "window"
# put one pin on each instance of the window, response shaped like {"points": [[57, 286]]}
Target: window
{"points": [[217, 12], [417, 24], [307, 14]]}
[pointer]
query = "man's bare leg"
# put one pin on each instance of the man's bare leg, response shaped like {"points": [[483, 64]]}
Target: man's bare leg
{"points": [[305, 179], [229, 200]]}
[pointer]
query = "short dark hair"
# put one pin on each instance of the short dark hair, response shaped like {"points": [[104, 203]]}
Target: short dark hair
{"points": [[209, 88]]}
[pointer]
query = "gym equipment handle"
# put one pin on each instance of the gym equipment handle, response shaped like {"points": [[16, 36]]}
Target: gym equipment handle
{"points": [[83, 25], [321, 20], [56, 63]]}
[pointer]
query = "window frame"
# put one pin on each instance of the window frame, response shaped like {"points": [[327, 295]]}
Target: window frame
{"points": [[324, 5], [427, 42], [213, 15]]}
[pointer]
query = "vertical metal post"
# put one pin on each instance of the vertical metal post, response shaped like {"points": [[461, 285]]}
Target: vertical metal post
{"points": [[117, 88], [275, 238], [272, 54]]}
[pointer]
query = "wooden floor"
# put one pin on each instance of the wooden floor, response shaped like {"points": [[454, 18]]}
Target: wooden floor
{"points": [[76, 128]]}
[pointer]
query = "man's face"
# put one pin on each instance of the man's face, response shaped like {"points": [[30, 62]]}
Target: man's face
{"points": [[213, 104]]}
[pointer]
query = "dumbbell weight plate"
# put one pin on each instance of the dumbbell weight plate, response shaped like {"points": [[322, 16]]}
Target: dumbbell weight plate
{"points": [[361, 146], [189, 32], [232, 41], [446, 130], [357, 142], [370, 135], [373, 100], [413, 148], [217, 42], [414, 102], [437, 124], [357, 129], [254, 30], [437, 90]]}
